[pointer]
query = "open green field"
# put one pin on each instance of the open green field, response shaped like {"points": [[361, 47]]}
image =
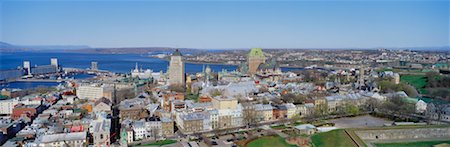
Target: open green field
{"points": [[418, 81], [269, 141], [193, 97], [333, 138], [158, 143], [412, 144], [279, 127]]}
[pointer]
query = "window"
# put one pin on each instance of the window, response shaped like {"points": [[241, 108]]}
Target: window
{"points": [[101, 136]]}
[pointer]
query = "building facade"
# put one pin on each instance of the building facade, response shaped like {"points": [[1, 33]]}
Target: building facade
{"points": [[94, 92], [176, 69], [255, 58]]}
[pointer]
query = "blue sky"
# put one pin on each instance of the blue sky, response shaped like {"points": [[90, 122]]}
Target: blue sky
{"points": [[227, 24]]}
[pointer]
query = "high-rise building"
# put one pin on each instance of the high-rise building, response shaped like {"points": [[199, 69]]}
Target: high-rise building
{"points": [[176, 69], [255, 58], [54, 62], [27, 66], [94, 65]]}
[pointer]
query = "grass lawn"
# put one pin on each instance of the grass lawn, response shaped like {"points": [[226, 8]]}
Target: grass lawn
{"points": [[335, 138], [411, 144], [269, 141], [418, 81], [191, 97], [298, 123], [279, 127], [158, 143]]}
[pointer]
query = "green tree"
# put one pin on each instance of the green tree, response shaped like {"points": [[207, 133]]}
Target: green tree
{"points": [[320, 110], [351, 109]]}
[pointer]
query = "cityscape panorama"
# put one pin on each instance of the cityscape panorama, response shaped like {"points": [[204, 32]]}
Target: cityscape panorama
{"points": [[90, 73]]}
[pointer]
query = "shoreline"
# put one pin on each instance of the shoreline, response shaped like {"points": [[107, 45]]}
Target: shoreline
{"points": [[208, 63]]}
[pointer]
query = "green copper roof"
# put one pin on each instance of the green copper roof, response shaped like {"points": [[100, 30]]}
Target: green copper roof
{"points": [[256, 52], [176, 53]]}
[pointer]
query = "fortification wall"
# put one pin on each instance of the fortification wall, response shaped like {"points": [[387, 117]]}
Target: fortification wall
{"points": [[397, 134]]}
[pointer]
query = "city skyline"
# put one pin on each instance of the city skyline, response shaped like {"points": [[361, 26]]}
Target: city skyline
{"points": [[206, 25]]}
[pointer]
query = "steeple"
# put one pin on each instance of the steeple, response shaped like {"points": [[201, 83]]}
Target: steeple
{"points": [[136, 68]]}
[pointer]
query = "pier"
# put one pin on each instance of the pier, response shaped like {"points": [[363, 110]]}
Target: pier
{"points": [[38, 80]]}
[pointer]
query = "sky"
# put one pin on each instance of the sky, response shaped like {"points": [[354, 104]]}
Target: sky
{"points": [[226, 24]]}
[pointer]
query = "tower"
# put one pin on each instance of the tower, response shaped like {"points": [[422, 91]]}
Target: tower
{"points": [[27, 66], [396, 78], [54, 62], [255, 58], [176, 69], [94, 65]]}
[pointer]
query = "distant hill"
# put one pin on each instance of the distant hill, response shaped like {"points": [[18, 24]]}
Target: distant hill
{"points": [[441, 48], [6, 47], [134, 50]]}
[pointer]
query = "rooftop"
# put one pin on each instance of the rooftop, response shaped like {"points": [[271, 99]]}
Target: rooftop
{"points": [[195, 116], [256, 52], [63, 137], [177, 53]]}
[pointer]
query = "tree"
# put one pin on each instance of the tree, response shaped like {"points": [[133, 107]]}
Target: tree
{"points": [[409, 90], [249, 115], [288, 98], [371, 104], [292, 98], [177, 88], [389, 86], [351, 109], [300, 99], [295, 118], [442, 93], [398, 105], [320, 110], [215, 93]]}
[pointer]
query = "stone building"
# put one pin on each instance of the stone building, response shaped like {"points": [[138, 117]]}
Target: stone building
{"points": [[225, 118], [100, 132], [255, 58], [193, 122], [220, 102], [29, 111], [167, 127], [135, 113], [176, 69]]}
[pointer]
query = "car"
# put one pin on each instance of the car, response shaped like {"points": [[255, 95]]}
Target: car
{"points": [[230, 140], [214, 143]]}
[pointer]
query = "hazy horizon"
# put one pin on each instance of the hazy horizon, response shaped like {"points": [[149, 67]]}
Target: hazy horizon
{"points": [[227, 24]]}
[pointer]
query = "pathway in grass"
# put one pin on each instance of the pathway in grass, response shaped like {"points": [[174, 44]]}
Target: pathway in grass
{"points": [[411, 144], [335, 138], [158, 143], [269, 141]]}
